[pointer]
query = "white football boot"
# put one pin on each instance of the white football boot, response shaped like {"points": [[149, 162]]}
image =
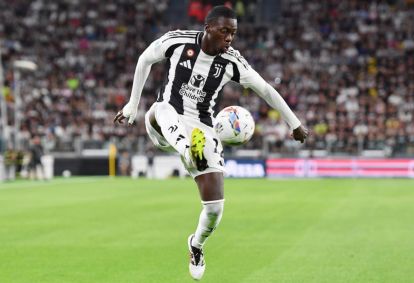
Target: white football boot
{"points": [[197, 264]]}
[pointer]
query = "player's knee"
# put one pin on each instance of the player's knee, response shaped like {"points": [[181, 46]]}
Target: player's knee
{"points": [[214, 209]]}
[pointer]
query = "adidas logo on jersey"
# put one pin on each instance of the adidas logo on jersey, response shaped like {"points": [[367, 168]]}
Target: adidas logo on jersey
{"points": [[186, 64]]}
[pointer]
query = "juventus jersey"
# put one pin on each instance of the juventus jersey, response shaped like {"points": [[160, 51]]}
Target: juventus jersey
{"points": [[195, 79]]}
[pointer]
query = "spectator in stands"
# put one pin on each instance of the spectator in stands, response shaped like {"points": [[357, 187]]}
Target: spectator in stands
{"points": [[349, 60], [196, 11]]}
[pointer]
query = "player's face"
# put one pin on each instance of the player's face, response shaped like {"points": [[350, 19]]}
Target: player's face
{"points": [[220, 33]]}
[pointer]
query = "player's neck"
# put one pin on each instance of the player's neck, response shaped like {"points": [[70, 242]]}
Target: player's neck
{"points": [[207, 47]]}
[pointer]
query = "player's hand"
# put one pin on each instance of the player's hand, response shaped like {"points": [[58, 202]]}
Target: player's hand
{"points": [[300, 134], [119, 117], [129, 111]]}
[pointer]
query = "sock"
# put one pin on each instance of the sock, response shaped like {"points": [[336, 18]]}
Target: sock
{"points": [[209, 219], [171, 127]]}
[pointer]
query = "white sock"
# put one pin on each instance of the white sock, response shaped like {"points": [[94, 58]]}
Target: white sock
{"points": [[209, 219], [171, 127]]}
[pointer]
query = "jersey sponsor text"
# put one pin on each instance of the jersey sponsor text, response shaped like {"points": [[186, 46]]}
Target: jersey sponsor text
{"points": [[192, 92]]}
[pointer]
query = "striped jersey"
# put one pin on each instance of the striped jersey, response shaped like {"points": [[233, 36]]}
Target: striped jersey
{"points": [[195, 79]]}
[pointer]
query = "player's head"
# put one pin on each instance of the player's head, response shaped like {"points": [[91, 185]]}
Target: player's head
{"points": [[220, 26]]}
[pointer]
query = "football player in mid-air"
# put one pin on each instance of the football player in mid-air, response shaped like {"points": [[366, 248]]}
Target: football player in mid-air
{"points": [[199, 64]]}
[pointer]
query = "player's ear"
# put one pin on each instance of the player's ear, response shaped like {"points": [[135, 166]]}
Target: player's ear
{"points": [[206, 27]]}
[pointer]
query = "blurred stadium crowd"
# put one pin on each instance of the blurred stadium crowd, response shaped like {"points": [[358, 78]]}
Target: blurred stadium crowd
{"points": [[345, 67]]}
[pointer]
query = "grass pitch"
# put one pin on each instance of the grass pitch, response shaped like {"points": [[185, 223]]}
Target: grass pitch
{"points": [[123, 230]]}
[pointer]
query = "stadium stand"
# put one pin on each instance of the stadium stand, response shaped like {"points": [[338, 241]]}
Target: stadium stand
{"points": [[345, 67]]}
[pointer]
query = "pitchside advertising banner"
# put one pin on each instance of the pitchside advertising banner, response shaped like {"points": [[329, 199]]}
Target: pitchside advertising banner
{"points": [[165, 166], [347, 167], [171, 165], [245, 168]]}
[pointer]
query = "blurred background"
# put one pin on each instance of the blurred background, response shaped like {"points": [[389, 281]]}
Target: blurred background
{"points": [[346, 68]]}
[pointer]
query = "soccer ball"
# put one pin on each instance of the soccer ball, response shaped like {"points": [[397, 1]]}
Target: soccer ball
{"points": [[234, 125]]}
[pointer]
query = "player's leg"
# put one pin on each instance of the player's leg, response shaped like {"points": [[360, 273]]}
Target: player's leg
{"points": [[154, 131], [173, 130], [210, 186], [212, 197]]}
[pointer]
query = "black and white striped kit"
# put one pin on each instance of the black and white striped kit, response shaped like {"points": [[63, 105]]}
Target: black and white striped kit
{"points": [[195, 79]]}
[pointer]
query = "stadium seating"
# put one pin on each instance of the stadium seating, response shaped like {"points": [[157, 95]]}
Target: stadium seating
{"points": [[346, 68]]}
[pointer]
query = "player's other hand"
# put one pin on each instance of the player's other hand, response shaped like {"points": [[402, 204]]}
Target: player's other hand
{"points": [[129, 111], [300, 134]]}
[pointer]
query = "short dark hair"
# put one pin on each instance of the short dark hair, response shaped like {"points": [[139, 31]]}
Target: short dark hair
{"points": [[220, 11]]}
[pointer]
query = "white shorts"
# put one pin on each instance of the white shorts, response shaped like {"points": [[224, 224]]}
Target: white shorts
{"points": [[213, 150]]}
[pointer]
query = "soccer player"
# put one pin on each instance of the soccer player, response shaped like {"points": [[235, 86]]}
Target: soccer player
{"points": [[199, 64]]}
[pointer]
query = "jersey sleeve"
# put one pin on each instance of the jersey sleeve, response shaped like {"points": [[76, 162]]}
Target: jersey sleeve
{"points": [[167, 43], [158, 48], [249, 78], [161, 48], [151, 55], [243, 73]]}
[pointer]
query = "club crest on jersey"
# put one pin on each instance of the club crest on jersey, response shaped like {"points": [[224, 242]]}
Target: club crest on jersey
{"points": [[218, 68], [190, 52]]}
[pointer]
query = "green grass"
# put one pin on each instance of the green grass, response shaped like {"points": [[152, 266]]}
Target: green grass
{"points": [[122, 230]]}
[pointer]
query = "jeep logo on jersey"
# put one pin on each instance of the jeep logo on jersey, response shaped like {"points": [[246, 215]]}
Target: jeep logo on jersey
{"points": [[218, 68], [197, 81]]}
